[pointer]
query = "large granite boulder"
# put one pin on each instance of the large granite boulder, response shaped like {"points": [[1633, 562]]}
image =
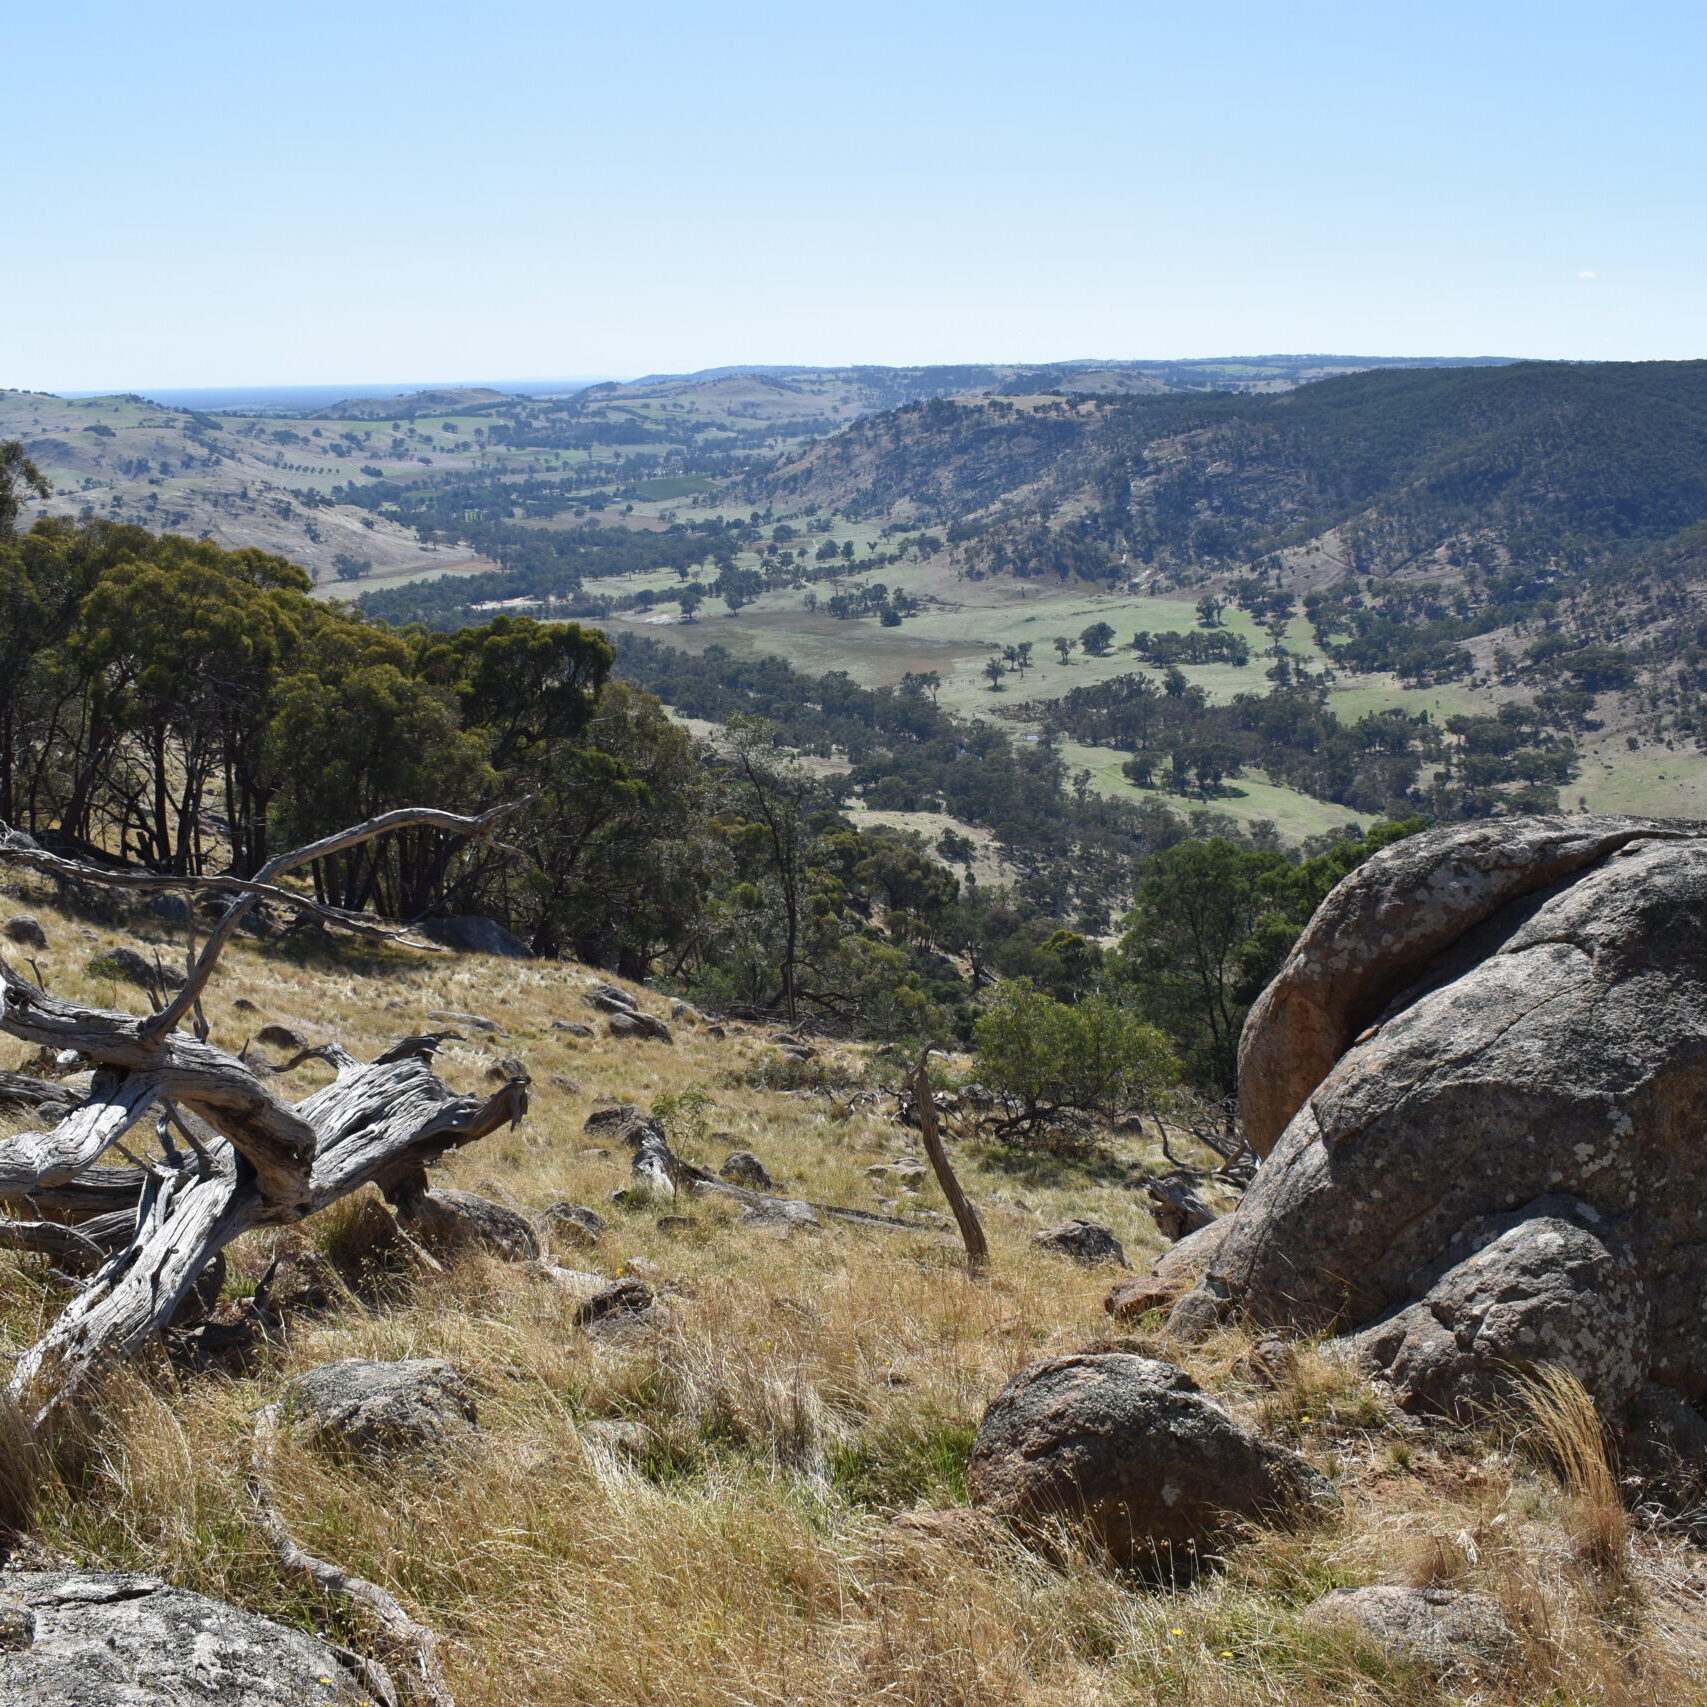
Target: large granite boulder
{"points": [[1532, 998], [117, 1639], [1130, 1454]]}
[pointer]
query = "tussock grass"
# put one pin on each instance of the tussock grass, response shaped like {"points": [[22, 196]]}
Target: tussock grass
{"points": [[794, 1395]]}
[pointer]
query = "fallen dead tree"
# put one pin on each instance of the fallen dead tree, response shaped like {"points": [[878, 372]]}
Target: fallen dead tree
{"points": [[232, 1155]]}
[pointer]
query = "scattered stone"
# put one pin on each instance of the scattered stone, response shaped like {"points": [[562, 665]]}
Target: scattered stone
{"points": [[26, 931], [638, 1025], [1543, 1284], [1443, 1628], [462, 1220], [781, 1215], [1269, 1362], [282, 1037], [1176, 1207], [572, 1027], [474, 1022], [1130, 1452], [382, 1410], [473, 934], [743, 1168], [608, 999], [503, 1070], [584, 1283], [120, 1639], [573, 1223], [619, 1434], [630, 1297], [1085, 1242], [127, 965]]}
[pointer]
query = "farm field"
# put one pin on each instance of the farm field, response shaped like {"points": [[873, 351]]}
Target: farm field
{"points": [[976, 619]]}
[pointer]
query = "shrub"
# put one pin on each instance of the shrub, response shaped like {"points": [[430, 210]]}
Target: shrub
{"points": [[1047, 1060]]}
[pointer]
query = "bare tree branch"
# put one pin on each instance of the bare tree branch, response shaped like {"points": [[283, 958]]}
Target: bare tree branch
{"points": [[420, 1642]]}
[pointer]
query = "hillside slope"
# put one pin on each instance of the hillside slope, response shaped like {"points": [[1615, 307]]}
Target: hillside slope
{"points": [[697, 1508]]}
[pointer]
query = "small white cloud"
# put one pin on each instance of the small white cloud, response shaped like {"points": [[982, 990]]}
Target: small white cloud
{"points": [[1587, 275]]}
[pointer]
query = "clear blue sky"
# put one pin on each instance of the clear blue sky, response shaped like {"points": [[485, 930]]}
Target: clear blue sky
{"points": [[248, 191]]}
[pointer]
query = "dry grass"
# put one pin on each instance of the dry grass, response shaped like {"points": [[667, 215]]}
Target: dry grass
{"points": [[795, 1395]]}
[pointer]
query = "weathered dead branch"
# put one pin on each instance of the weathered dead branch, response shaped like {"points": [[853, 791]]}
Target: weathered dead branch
{"points": [[252, 1159], [414, 1638]]}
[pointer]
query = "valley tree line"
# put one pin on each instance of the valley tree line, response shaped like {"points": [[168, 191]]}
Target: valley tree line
{"points": [[171, 705]]}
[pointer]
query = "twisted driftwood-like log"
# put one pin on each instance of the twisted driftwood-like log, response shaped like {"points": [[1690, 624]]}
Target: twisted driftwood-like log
{"points": [[250, 1159]]}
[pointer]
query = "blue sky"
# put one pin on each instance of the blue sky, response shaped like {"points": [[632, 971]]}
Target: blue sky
{"points": [[232, 193]]}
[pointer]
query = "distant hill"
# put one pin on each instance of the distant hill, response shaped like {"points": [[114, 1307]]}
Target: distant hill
{"points": [[458, 399]]}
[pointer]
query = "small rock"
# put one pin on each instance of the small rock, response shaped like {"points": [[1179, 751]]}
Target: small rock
{"points": [[25, 930], [782, 1215], [382, 1410], [282, 1037], [573, 1223], [120, 1639], [474, 1022], [607, 998], [619, 1434], [502, 1071], [1442, 1628], [1085, 1242], [584, 1283], [462, 1220], [629, 1297], [638, 1025], [1133, 1452], [743, 1168], [132, 968]]}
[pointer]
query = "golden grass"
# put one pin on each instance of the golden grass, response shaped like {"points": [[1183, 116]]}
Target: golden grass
{"points": [[795, 1394]]}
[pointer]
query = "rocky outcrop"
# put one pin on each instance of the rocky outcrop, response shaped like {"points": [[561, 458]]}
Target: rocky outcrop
{"points": [[1379, 931], [1477, 1019], [118, 1639], [1131, 1455], [382, 1410]]}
